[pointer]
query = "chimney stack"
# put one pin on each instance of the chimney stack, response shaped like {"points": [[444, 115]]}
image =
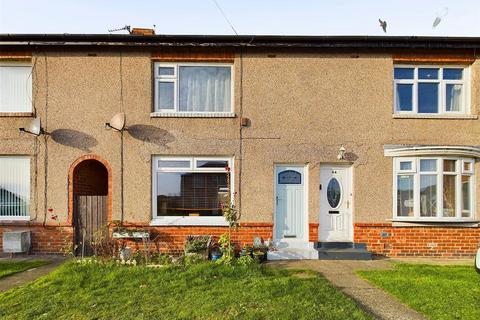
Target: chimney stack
{"points": [[142, 32]]}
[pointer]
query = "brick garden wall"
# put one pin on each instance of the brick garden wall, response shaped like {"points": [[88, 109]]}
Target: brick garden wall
{"points": [[172, 239], [442, 242], [54, 239]]}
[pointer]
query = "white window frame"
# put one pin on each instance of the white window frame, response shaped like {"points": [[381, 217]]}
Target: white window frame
{"points": [[442, 96], [189, 220], [27, 217], [28, 86], [175, 79], [439, 173]]}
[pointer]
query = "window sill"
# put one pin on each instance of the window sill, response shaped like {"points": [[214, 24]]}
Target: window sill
{"points": [[435, 116], [15, 114], [434, 223], [192, 115], [13, 219], [189, 221]]}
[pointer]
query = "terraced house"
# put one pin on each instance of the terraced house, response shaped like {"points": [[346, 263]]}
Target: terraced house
{"points": [[355, 141]]}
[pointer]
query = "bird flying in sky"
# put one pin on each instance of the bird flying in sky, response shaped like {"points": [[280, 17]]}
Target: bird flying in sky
{"points": [[383, 24], [439, 17]]}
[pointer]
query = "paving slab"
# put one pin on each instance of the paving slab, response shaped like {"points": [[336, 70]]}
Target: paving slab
{"points": [[341, 273], [23, 277]]}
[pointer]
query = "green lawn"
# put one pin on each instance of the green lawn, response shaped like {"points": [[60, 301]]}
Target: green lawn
{"points": [[204, 291], [439, 292], [10, 267]]}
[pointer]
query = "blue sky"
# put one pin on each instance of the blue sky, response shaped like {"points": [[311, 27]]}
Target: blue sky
{"points": [[281, 17]]}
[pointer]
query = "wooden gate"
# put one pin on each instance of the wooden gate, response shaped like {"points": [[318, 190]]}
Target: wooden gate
{"points": [[90, 222]]}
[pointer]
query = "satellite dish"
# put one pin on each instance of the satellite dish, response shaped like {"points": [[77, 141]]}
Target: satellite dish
{"points": [[34, 127], [117, 122]]}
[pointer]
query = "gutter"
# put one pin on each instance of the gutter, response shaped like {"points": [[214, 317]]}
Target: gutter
{"points": [[263, 41]]}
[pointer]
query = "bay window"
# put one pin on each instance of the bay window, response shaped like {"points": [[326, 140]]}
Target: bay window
{"points": [[14, 188], [431, 90], [433, 188], [192, 88], [191, 190]]}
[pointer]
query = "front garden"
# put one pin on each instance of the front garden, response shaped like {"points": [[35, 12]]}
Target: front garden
{"points": [[440, 292], [179, 289]]}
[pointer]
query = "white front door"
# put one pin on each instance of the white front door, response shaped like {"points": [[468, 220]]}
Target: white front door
{"points": [[335, 204], [290, 203]]}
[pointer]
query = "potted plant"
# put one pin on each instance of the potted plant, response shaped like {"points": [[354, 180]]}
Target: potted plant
{"points": [[246, 251], [260, 252], [197, 245], [216, 253], [259, 255]]}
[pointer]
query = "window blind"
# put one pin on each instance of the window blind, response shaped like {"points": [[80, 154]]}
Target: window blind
{"points": [[14, 186], [15, 88]]}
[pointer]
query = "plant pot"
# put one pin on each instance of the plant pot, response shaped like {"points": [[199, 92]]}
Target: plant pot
{"points": [[260, 256], [130, 234], [216, 256]]}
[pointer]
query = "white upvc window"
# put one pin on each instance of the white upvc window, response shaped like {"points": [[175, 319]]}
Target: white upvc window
{"points": [[15, 87], [191, 190], [193, 88], [433, 189], [431, 90], [14, 188]]}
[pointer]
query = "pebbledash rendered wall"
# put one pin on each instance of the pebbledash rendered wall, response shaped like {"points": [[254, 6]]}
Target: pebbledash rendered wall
{"points": [[302, 105]]}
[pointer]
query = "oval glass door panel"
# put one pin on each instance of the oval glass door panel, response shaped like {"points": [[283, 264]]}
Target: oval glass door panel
{"points": [[334, 193]]}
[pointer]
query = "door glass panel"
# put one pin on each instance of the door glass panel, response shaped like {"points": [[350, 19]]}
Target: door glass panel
{"points": [[289, 177], [334, 193]]}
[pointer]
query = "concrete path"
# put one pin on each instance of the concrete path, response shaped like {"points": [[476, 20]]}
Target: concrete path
{"points": [[21, 278], [341, 273]]}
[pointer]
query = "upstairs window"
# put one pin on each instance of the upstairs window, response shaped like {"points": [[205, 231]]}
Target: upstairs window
{"points": [[15, 87], [193, 88], [431, 90], [14, 187], [434, 188]]}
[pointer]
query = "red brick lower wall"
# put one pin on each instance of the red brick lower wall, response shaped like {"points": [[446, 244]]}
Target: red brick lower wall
{"points": [[172, 239], [313, 232], [48, 240], [55, 239], [382, 239], [445, 242]]}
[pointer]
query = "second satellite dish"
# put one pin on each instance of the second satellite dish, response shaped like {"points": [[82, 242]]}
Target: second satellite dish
{"points": [[117, 122], [34, 127]]}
